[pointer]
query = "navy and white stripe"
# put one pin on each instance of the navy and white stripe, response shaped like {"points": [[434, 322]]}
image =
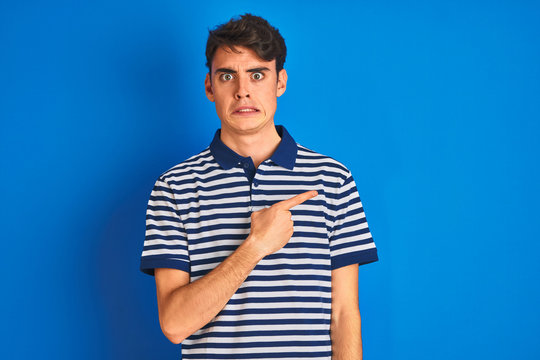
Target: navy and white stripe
{"points": [[199, 213]]}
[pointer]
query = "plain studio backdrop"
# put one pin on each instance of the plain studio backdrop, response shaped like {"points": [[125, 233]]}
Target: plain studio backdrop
{"points": [[434, 107]]}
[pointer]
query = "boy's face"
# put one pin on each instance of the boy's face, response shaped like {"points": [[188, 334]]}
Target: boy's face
{"points": [[244, 88]]}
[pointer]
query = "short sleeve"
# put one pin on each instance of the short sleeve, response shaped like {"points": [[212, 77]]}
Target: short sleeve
{"points": [[165, 244], [350, 237]]}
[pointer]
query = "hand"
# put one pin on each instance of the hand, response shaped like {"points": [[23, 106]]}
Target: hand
{"points": [[272, 228]]}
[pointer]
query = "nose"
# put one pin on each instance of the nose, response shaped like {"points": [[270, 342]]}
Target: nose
{"points": [[242, 89]]}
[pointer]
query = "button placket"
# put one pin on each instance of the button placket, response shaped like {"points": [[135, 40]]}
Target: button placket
{"points": [[256, 190]]}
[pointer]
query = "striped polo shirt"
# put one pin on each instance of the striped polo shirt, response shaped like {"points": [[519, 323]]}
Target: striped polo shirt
{"points": [[199, 213]]}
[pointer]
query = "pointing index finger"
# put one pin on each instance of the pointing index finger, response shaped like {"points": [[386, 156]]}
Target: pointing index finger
{"points": [[296, 200]]}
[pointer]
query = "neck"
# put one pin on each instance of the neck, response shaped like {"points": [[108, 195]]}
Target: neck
{"points": [[259, 145]]}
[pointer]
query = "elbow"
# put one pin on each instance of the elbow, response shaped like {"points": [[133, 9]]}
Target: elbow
{"points": [[345, 316], [174, 338], [173, 332]]}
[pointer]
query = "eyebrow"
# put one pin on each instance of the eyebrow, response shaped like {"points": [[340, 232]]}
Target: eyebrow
{"points": [[231, 71]]}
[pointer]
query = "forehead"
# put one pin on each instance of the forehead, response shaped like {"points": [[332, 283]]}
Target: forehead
{"points": [[240, 58]]}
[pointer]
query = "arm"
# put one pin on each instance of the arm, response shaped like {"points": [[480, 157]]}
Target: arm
{"points": [[345, 325], [186, 307]]}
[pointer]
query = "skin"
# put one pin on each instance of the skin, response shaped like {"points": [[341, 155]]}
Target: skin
{"points": [[345, 323], [243, 81]]}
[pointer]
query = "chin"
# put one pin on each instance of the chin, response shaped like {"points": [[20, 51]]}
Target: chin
{"points": [[247, 125]]}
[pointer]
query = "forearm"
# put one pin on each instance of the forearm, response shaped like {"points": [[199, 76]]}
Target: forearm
{"points": [[346, 336], [190, 307]]}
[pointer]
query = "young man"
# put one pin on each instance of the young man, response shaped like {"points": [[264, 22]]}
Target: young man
{"points": [[255, 242]]}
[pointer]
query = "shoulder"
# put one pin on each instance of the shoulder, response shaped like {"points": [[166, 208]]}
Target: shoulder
{"points": [[307, 158], [196, 164]]}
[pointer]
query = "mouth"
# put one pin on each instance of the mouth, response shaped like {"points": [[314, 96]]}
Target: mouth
{"points": [[245, 110]]}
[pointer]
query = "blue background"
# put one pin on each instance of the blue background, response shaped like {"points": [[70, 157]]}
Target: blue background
{"points": [[434, 106]]}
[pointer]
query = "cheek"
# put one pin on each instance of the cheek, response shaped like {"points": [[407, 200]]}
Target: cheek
{"points": [[220, 98], [270, 101]]}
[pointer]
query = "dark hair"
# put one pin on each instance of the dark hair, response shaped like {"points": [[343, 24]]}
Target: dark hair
{"points": [[252, 32]]}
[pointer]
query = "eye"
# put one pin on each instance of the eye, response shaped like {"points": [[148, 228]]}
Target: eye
{"points": [[257, 76], [226, 77]]}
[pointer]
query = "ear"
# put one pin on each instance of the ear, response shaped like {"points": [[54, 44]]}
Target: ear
{"points": [[281, 83], [208, 88]]}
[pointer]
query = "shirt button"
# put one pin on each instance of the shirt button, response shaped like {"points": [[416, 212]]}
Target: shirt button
{"points": [[255, 183], [246, 165]]}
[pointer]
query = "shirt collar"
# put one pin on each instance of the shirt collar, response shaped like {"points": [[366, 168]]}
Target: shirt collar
{"points": [[285, 154]]}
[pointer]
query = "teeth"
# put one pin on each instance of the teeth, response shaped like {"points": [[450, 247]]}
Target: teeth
{"points": [[247, 110]]}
